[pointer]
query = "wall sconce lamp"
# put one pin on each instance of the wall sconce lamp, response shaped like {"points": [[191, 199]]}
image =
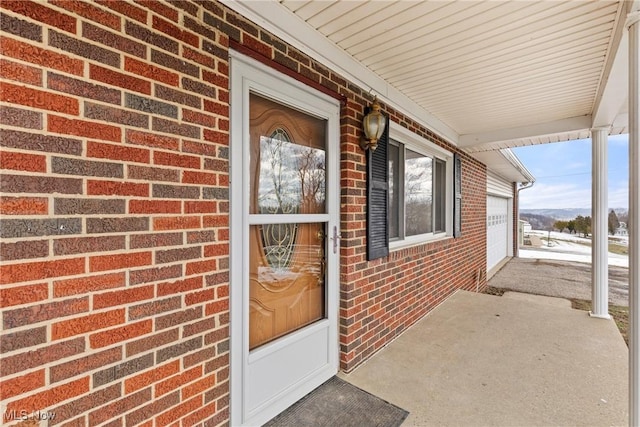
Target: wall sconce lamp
{"points": [[373, 126]]}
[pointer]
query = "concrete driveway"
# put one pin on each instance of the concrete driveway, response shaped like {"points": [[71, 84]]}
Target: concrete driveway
{"points": [[564, 279], [515, 360]]}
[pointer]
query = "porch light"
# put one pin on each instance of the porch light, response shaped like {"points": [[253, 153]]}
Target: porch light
{"points": [[373, 126]]}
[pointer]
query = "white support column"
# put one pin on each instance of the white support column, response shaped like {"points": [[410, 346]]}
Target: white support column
{"points": [[633, 22], [599, 228]]}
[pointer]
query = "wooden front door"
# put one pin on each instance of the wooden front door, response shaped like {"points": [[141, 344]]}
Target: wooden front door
{"points": [[286, 258], [284, 241]]}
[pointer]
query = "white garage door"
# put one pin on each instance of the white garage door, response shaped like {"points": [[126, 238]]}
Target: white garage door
{"points": [[497, 230]]}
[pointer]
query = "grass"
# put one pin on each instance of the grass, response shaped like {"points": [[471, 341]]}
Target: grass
{"points": [[619, 249], [619, 313]]}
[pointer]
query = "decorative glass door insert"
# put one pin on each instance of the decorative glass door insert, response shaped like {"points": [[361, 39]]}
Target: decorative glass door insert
{"points": [[286, 234]]}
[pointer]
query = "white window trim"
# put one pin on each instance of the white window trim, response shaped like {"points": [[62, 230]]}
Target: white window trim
{"points": [[422, 145]]}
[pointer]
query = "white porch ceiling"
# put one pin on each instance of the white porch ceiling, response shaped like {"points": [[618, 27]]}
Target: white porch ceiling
{"points": [[487, 75]]}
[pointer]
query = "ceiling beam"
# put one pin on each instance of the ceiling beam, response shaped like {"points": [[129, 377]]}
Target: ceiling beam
{"points": [[573, 124], [614, 82]]}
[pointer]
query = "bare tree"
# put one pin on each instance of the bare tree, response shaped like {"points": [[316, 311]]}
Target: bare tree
{"points": [[311, 173]]}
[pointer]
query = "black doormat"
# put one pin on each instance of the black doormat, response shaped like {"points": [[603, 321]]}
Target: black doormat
{"points": [[336, 403]]}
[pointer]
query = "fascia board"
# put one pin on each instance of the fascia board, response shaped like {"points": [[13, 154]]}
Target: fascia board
{"points": [[614, 83], [572, 124], [506, 165], [518, 165]]}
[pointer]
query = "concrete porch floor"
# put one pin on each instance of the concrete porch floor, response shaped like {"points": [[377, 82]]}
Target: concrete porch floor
{"points": [[515, 360]]}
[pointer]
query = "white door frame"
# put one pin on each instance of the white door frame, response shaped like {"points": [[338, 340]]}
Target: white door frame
{"points": [[250, 75]]}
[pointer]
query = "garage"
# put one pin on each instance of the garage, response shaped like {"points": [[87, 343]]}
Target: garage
{"points": [[497, 230], [505, 173], [499, 221]]}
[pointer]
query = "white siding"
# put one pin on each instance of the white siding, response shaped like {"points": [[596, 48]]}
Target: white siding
{"points": [[498, 186]]}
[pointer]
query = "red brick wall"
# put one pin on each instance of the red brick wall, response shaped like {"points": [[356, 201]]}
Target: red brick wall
{"points": [[381, 298], [114, 279]]}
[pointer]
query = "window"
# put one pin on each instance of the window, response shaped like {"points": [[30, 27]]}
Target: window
{"points": [[420, 189], [410, 192]]}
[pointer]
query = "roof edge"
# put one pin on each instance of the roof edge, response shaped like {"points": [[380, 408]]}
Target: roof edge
{"points": [[518, 165]]}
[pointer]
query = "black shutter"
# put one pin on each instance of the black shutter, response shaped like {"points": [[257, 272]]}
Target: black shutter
{"points": [[378, 198], [457, 196]]}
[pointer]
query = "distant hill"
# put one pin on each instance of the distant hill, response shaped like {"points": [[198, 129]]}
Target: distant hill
{"points": [[558, 214], [565, 214], [538, 222]]}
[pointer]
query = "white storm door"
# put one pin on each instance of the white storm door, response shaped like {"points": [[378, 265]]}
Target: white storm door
{"points": [[284, 240]]}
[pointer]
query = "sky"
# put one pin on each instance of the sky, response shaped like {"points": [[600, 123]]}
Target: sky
{"points": [[563, 174]]}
